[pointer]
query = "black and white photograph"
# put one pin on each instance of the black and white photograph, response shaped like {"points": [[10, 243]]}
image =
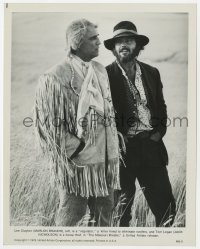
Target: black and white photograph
{"points": [[99, 119]]}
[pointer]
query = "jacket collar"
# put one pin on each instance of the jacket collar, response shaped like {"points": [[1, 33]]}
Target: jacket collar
{"points": [[147, 78]]}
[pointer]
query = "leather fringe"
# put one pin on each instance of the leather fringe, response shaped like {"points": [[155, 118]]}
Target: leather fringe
{"points": [[91, 180], [87, 180]]}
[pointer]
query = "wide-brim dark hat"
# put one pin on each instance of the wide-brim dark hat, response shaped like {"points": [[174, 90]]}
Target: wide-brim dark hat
{"points": [[124, 29]]}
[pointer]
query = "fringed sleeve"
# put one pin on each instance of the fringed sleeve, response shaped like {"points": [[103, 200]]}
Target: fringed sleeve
{"points": [[54, 122]]}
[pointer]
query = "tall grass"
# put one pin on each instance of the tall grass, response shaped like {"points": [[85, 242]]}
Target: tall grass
{"points": [[34, 202]]}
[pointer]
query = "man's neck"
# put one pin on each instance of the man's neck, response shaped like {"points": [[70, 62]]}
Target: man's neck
{"points": [[83, 57], [129, 66]]}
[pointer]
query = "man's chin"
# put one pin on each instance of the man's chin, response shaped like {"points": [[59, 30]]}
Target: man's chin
{"points": [[95, 55], [124, 59]]}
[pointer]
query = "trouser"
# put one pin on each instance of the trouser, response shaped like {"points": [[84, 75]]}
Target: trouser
{"points": [[72, 208], [144, 161]]}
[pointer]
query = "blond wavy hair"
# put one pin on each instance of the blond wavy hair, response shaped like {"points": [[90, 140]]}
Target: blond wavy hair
{"points": [[76, 32]]}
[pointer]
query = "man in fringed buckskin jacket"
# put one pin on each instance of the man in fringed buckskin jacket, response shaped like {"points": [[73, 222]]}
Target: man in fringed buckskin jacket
{"points": [[141, 117], [72, 111]]}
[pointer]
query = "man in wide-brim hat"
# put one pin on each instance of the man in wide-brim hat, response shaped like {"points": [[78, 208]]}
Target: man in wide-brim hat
{"points": [[141, 117], [125, 29]]}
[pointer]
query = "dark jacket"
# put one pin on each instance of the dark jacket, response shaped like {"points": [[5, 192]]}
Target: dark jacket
{"points": [[153, 89]]}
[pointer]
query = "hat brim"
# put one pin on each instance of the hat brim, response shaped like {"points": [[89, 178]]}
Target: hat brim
{"points": [[141, 39]]}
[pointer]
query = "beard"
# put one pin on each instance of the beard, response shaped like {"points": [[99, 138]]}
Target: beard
{"points": [[125, 59]]}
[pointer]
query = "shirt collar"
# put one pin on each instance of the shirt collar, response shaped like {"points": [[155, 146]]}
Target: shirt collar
{"points": [[79, 61], [138, 70]]}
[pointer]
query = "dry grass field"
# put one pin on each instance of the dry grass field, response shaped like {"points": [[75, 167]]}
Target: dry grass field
{"points": [[38, 42]]}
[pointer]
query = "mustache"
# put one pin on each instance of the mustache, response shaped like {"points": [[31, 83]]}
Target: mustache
{"points": [[124, 47]]}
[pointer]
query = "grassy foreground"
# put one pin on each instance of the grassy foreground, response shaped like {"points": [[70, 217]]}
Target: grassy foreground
{"points": [[34, 201]]}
